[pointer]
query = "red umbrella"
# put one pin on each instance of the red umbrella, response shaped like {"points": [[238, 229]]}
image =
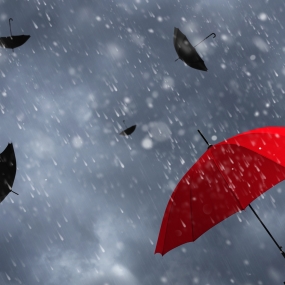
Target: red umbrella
{"points": [[225, 180]]}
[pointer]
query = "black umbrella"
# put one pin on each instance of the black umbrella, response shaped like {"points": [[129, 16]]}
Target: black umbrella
{"points": [[13, 41], [128, 131], [7, 171], [187, 52]]}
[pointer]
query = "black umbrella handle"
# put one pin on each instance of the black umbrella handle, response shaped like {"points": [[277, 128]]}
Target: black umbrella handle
{"points": [[10, 26]]}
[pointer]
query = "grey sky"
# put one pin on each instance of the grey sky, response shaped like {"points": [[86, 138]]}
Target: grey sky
{"points": [[91, 202]]}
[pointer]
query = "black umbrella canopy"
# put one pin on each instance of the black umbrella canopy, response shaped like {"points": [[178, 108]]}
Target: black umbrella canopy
{"points": [[13, 41], [7, 171], [128, 131], [187, 52]]}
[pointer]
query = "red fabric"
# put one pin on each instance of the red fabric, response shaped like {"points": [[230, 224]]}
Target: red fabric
{"points": [[226, 179]]}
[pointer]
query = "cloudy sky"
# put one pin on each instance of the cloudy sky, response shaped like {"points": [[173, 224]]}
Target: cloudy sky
{"points": [[91, 202]]}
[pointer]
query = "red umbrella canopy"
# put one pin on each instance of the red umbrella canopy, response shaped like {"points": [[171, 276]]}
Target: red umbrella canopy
{"points": [[225, 180]]}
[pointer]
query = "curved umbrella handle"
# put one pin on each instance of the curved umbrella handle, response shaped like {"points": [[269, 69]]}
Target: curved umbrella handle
{"points": [[214, 35], [10, 26]]}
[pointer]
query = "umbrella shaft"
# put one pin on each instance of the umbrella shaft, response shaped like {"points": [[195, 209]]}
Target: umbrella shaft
{"points": [[206, 38], [203, 137], [10, 26], [280, 247]]}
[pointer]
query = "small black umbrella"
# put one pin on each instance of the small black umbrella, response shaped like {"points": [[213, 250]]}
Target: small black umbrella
{"points": [[13, 41], [7, 171], [187, 52], [128, 131]]}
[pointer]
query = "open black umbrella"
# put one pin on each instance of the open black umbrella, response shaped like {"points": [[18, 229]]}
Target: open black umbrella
{"points": [[13, 41], [7, 171], [186, 52], [128, 131]]}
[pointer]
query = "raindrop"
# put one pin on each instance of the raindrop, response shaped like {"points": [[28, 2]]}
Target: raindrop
{"points": [[102, 249], [61, 237], [239, 219], [35, 25], [147, 143], [262, 17]]}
